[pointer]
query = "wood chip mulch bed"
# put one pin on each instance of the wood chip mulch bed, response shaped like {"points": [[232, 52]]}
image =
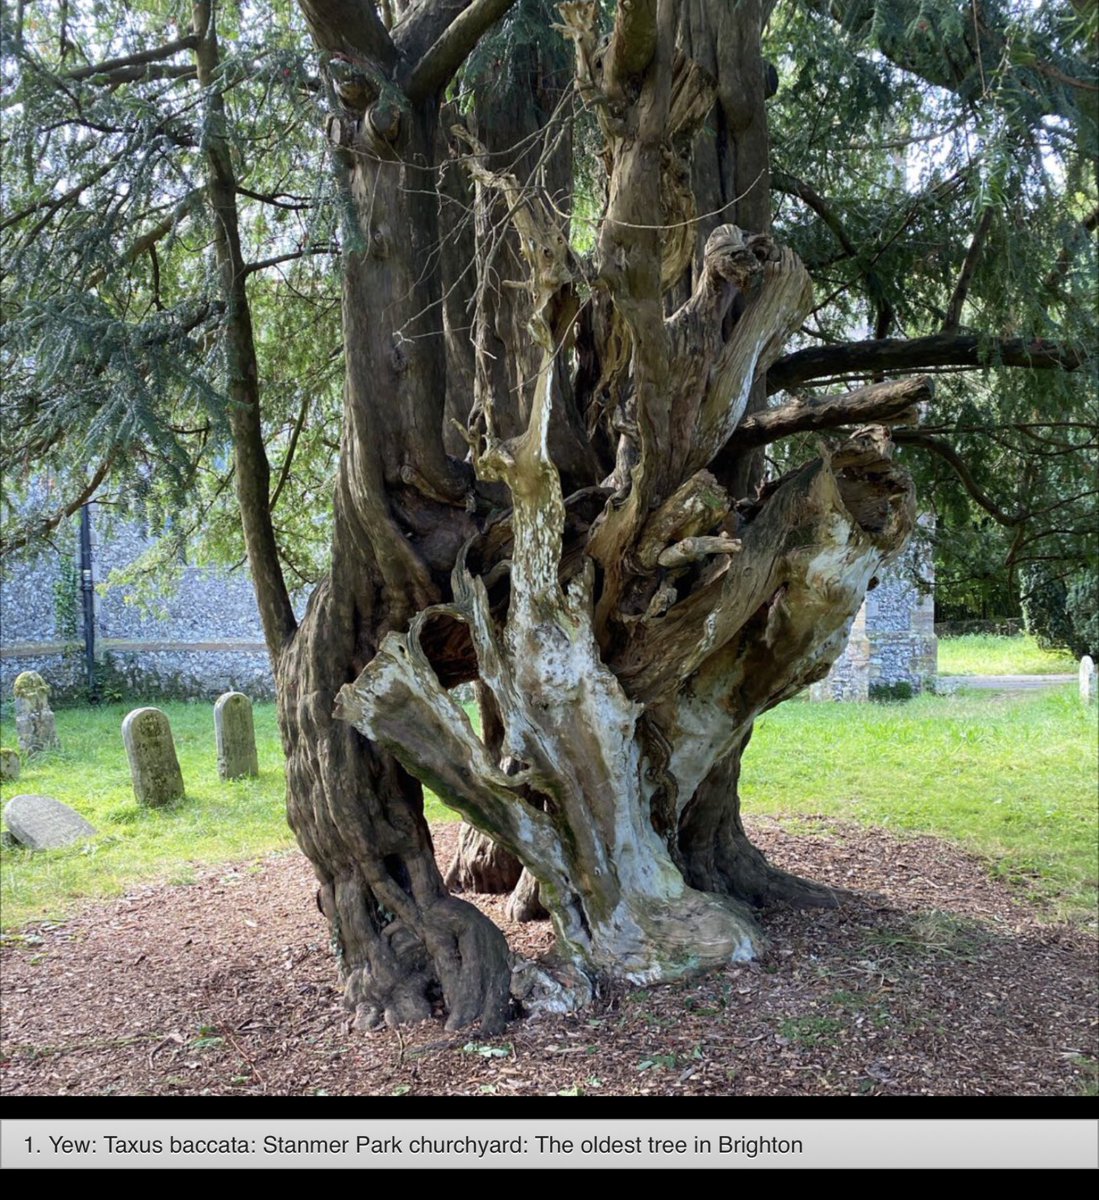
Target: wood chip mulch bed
{"points": [[937, 980]]}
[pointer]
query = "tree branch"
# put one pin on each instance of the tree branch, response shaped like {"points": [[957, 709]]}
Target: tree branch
{"points": [[908, 354], [53, 203], [251, 466], [152, 236], [139, 73], [1064, 258], [439, 62], [961, 288], [912, 437], [633, 43], [133, 60], [790, 185], [958, 64], [294, 203], [350, 27], [295, 433], [41, 528], [262, 264], [888, 403], [793, 186]]}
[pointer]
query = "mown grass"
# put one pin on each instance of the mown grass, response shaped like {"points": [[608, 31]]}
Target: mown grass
{"points": [[984, 654], [216, 822], [1011, 777]]}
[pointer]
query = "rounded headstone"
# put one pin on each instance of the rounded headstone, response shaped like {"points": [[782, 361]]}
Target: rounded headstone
{"points": [[29, 685], [235, 735], [9, 764], [154, 766], [43, 823], [1087, 679]]}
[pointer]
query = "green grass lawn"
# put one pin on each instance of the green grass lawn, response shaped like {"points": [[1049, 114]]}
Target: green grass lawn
{"points": [[984, 654], [1011, 777], [216, 822]]}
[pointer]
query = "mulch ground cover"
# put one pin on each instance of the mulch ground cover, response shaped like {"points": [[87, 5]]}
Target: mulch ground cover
{"points": [[936, 980]]}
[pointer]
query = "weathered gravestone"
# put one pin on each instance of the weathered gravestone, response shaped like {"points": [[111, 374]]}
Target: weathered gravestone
{"points": [[34, 723], [1087, 679], [9, 764], [43, 823], [154, 767], [235, 736]]}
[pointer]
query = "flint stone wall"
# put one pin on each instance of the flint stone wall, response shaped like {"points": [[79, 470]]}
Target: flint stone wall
{"points": [[206, 640], [892, 648]]}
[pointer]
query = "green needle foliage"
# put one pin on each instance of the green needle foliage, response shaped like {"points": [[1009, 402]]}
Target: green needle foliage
{"points": [[112, 344], [933, 164]]}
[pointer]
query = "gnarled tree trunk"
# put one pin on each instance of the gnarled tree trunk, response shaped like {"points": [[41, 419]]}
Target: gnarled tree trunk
{"points": [[602, 562]]}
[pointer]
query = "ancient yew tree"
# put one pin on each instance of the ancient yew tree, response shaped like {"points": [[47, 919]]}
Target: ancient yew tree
{"points": [[551, 482]]}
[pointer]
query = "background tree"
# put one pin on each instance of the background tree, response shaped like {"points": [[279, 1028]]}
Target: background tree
{"points": [[563, 312]]}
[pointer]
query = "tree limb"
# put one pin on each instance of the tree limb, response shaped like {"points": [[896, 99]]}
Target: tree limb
{"points": [[295, 433], [959, 64], [149, 239], [961, 288], [263, 263], [252, 468], [912, 437], [53, 203], [633, 43], [350, 27], [1064, 257], [885, 403], [439, 62], [792, 186], [142, 74], [41, 528], [294, 203], [132, 60], [908, 354]]}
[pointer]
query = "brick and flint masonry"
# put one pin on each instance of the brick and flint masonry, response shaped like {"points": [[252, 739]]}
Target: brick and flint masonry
{"points": [[543, 1144]]}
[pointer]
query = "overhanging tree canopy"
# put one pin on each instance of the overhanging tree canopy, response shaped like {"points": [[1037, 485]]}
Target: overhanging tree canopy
{"points": [[563, 309]]}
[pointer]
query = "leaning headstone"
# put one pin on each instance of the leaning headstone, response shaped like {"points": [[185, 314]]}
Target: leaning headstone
{"points": [[43, 823], [235, 736], [9, 765], [154, 767], [34, 723], [1087, 679]]}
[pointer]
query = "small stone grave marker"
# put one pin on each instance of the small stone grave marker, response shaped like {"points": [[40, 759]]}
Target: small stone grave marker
{"points": [[1087, 679], [9, 764], [34, 722], [154, 766], [235, 735], [43, 823]]}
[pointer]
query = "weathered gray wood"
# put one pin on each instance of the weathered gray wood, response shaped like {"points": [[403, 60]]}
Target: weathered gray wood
{"points": [[154, 767]]}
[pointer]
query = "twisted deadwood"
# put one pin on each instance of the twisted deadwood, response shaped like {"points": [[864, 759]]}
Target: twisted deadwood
{"points": [[624, 637]]}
